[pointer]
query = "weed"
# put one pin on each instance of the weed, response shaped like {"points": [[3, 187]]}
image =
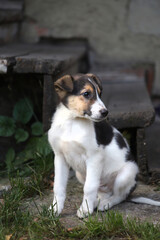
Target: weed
{"points": [[36, 152]]}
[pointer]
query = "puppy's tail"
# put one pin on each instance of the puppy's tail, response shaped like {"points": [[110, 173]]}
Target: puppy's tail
{"points": [[145, 201]]}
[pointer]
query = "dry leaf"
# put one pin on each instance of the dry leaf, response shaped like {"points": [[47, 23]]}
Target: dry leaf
{"points": [[35, 219], [2, 201], [70, 229], [8, 237]]}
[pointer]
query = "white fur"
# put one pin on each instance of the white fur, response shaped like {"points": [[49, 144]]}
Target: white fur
{"points": [[146, 201], [97, 106], [107, 176]]}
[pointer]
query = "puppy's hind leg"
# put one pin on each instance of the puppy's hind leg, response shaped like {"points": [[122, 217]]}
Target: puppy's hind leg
{"points": [[123, 185]]}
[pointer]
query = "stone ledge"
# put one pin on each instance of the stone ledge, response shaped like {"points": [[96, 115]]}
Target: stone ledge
{"points": [[75, 194], [127, 100]]}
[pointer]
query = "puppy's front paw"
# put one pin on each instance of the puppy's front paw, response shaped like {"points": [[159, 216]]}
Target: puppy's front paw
{"points": [[56, 208], [83, 212]]}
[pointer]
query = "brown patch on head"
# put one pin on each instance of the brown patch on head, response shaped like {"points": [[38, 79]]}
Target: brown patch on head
{"points": [[77, 104], [80, 104], [78, 93], [64, 85]]}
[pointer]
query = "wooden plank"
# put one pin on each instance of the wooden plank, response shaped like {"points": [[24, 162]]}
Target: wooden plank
{"points": [[49, 59], [9, 52], [128, 103], [13, 50]]}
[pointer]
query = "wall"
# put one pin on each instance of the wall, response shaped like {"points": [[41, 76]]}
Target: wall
{"points": [[116, 29]]}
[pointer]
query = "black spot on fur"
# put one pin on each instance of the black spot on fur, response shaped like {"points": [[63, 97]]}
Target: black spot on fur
{"points": [[78, 86], [120, 141], [104, 133]]}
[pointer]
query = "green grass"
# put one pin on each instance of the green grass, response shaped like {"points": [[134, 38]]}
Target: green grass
{"points": [[20, 223]]}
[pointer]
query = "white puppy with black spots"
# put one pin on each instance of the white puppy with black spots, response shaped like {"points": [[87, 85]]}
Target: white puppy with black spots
{"points": [[81, 138]]}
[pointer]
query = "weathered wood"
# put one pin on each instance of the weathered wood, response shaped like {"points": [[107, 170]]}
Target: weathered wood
{"points": [[9, 52], [49, 101], [48, 59], [41, 58]]}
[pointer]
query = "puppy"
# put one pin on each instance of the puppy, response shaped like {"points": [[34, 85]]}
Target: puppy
{"points": [[81, 138]]}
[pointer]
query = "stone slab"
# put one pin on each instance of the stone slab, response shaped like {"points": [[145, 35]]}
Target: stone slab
{"points": [[75, 194], [127, 100]]}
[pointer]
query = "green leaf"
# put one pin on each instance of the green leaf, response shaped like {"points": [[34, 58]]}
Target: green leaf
{"points": [[10, 156], [37, 129], [21, 135], [7, 126], [43, 147], [39, 146], [23, 157], [23, 111]]}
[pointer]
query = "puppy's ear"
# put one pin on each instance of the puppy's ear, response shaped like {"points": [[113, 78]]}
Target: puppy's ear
{"points": [[97, 81], [64, 85]]}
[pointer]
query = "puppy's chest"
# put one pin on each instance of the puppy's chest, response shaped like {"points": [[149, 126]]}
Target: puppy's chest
{"points": [[72, 141]]}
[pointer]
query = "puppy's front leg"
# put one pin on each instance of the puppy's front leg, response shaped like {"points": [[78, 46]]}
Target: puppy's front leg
{"points": [[90, 189], [60, 182]]}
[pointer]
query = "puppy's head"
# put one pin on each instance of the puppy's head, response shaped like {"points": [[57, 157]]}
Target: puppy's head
{"points": [[81, 94]]}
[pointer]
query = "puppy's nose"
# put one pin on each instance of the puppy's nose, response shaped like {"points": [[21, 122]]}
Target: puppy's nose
{"points": [[104, 112]]}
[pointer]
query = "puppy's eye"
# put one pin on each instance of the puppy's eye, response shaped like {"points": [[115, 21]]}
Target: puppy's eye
{"points": [[87, 94]]}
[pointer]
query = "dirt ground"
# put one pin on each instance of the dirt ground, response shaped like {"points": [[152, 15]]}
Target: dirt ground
{"points": [[128, 209]]}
